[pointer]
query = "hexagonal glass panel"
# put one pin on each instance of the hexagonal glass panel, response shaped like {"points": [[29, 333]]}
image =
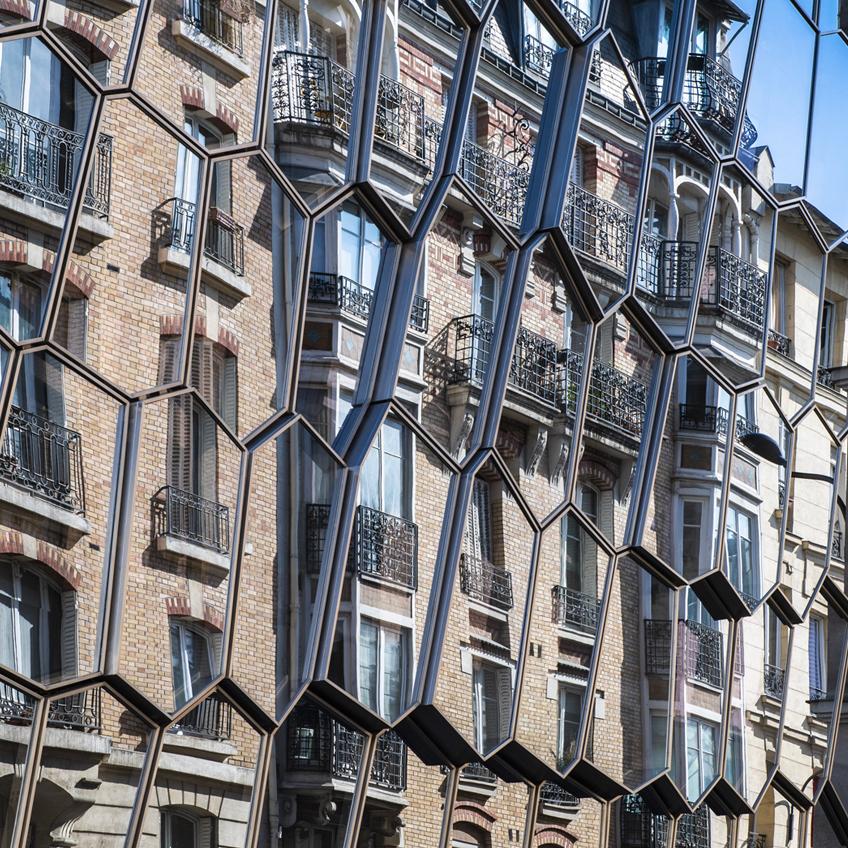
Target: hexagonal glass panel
{"points": [[17, 708]]}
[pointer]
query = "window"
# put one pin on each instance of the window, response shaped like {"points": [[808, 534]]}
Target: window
{"points": [[779, 295], [826, 338], [818, 680], [692, 512], [181, 829], [360, 247], [32, 615], [491, 703], [385, 483], [578, 550], [478, 523], [700, 756], [570, 707], [656, 218], [741, 553], [773, 639], [659, 729], [383, 667], [192, 660], [486, 290]]}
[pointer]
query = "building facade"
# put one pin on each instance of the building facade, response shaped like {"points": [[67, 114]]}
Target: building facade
{"points": [[423, 424]]}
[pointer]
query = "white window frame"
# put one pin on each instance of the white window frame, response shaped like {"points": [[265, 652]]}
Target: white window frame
{"points": [[735, 510], [818, 624], [563, 691], [382, 627], [826, 339], [478, 661], [204, 633], [702, 726]]}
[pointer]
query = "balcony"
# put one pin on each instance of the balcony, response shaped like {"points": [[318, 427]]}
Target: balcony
{"points": [[181, 515], [351, 298], [316, 742], [575, 610], [553, 796], [210, 719], [773, 681], [754, 840], [702, 652], [779, 343], [312, 90], [44, 459], [486, 583], [616, 400], [538, 57], [478, 774], [700, 418], [641, 828], [224, 243], [80, 712], [709, 90], [598, 228], [500, 183], [39, 160], [657, 646], [207, 17], [666, 274], [836, 549]]}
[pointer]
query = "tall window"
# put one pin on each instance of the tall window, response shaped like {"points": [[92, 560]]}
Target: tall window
{"points": [[360, 246], [570, 706], [826, 338], [700, 756], [491, 702], [578, 549], [385, 482], [478, 523], [31, 618], [485, 306], [779, 295], [383, 667], [741, 551], [692, 513], [181, 829], [818, 684], [192, 660]]}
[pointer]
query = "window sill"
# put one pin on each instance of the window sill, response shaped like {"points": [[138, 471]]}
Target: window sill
{"points": [[25, 501], [198, 746], [196, 42], [51, 219], [483, 788], [575, 635], [176, 262], [219, 563]]}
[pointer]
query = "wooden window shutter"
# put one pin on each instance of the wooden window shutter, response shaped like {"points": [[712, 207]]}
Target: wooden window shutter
{"points": [[504, 691], [169, 351], [206, 836], [54, 388], [226, 389], [577, 166], [69, 634], [77, 327], [216, 640], [478, 527]]}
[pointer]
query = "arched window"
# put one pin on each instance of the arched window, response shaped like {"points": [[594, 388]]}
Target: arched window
{"points": [[183, 829], [193, 658], [31, 624]]}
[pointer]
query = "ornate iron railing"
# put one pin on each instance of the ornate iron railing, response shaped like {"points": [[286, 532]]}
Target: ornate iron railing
{"points": [[501, 184], [836, 544], [354, 299], [317, 742], [385, 546], [615, 398], [779, 343], [575, 609], [537, 56], [773, 680], [224, 237], [754, 840], [666, 269], [657, 646], [736, 287], [39, 160], [553, 795], [817, 694], [641, 828], [485, 582], [187, 516], [598, 228], [208, 17], [317, 518], [80, 711], [211, 719], [44, 458], [703, 649], [580, 20], [711, 419], [478, 773], [315, 90]]}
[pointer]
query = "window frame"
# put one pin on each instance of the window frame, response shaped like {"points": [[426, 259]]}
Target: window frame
{"points": [[735, 510], [198, 629], [405, 635], [479, 665], [701, 726]]}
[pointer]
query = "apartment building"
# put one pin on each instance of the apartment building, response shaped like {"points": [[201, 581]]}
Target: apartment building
{"points": [[341, 505]]}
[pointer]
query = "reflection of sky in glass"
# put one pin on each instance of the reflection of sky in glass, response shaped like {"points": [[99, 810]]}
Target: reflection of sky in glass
{"points": [[778, 99], [827, 180], [738, 42]]}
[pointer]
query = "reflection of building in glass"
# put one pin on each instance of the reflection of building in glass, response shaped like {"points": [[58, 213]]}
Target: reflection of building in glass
{"points": [[411, 477]]}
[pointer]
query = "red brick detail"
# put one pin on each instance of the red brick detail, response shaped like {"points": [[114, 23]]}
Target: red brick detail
{"points": [[80, 279], [200, 326], [596, 474], [86, 28], [228, 118], [213, 618], [549, 836], [228, 339], [14, 251], [193, 96], [16, 7], [472, 813], [178, 605], [11, 542], [57, 562], [170, 325]]}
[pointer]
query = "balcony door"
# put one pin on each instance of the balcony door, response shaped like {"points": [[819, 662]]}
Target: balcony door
{"points": [[484, 305], [568, 729], [491, 703], [384, 665], [385, 481]]}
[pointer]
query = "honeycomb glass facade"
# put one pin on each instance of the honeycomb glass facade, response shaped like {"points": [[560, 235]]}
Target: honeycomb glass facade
{"points": [[423, 424]]}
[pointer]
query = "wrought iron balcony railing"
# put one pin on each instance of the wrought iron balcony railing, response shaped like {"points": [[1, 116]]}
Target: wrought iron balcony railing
{"points": [[187, 516], [210, 719], [354, 299], [317, 742], [598, 228], [836, 544], [485, 582], [616, 399], [641, 828], [575, 609], [657, 646], [224, 237], [711, 419], [382, 545], [580, 20], [537, 56], [779, 343], [773, 680], [500, 183], [207, 17], [478, 773], [754, 840], [316, 91], [80, 711], [817, 694], [703, 653], [553, 795], [39, 160], [824, 376], [44, 458]]}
